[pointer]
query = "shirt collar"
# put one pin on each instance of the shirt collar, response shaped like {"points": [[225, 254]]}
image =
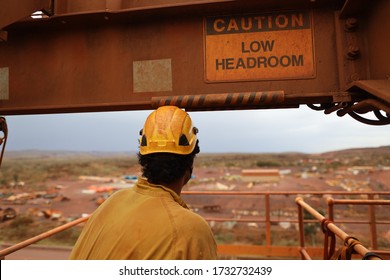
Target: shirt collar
{"points": [[145, 187]]}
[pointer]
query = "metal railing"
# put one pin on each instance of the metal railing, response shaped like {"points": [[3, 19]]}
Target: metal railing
{"points": [[372, 221], [267, 250], [331, 231], [40, 237]]}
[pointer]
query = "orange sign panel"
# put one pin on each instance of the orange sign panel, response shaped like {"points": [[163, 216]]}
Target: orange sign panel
{"points": [[273, 46]]}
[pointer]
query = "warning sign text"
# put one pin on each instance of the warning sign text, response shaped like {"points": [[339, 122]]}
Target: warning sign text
{"points": [[259, 47]]}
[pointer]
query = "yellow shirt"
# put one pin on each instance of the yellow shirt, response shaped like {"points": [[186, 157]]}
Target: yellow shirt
{"points": [[145, 222]]}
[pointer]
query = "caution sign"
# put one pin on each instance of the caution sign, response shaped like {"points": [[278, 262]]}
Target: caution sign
{"points": [[273, 46]]}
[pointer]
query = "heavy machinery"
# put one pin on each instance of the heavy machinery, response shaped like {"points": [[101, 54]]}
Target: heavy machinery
{"points": [[59, 56]]}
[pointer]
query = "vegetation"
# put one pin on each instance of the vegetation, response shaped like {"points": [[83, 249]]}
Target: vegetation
{"points": [[36, 171], [24, 227], [311, 230]]}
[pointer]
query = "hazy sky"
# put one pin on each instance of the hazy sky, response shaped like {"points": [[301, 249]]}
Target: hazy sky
{"points": [[301, 130]]}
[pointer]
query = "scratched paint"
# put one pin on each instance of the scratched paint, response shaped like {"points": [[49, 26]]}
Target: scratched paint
{"points": [[4, 83], [152, 75]]}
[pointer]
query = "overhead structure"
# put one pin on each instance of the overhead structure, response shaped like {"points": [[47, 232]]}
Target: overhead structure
{"points": [[75, 56]]}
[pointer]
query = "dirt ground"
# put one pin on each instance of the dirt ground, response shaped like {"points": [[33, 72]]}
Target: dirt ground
{"points": [[71, 199], [68, 199]]}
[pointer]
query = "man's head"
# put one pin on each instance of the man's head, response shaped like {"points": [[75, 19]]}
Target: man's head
{"points": [[168, 145]]}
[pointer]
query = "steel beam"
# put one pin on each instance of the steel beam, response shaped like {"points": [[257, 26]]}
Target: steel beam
{"points": [[88, 68], [16, 10]]}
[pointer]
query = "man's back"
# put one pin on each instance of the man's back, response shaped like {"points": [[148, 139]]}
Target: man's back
{"points": [[146, 222]]}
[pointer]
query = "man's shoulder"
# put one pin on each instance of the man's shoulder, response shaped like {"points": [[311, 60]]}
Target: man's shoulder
{"points": [[187, 216]]}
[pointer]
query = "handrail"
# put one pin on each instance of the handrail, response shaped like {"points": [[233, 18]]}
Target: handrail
{"points": [[360, 249], [331, 201], [243, 193], [372, 219], [41, 236]]}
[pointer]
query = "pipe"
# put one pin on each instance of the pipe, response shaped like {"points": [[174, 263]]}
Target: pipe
{"points": [[37, 238], [221, 100]]}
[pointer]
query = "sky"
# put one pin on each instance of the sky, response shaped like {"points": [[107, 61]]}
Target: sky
{"points": [[245, 131]]}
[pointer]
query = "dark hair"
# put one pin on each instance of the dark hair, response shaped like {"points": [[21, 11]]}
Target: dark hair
{"points": [[166, 168]]}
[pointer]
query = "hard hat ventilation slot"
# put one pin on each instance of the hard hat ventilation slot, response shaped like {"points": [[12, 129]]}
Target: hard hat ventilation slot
{"points": [[143, 141], [183, 141]]}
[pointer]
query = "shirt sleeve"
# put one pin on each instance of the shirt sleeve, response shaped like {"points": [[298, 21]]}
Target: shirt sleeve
{"points": [[196, 240]]}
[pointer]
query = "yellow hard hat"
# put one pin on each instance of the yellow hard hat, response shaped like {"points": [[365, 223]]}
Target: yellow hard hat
{"points": [[168, 129]]}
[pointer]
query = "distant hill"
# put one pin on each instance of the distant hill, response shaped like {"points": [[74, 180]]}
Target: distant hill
{"points": [[361, 152], [383, 150], [24, 154]]}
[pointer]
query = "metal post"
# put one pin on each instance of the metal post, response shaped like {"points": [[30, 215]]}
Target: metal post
{"points": [[330, 202], [371, 213], [267, 220], [301, 229]]}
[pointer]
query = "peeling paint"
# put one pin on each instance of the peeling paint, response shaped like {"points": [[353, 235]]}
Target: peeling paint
{"points": [[4, 83], [152, 75]]}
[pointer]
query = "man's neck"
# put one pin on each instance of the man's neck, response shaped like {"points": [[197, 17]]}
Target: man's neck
{"points": [[175, 186]]}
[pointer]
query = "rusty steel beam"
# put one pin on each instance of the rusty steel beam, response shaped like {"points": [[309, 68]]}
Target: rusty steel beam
{"points": [[66, 7], [15, 10], [118, 66], [378, 88], [3, 35], [352, 7]]}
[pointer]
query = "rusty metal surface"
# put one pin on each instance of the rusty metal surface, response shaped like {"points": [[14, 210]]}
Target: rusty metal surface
{"points": [[15, 10], [91, 68], [64, 7], [224, 100], [3, 36], [377, 100], [4, 83], [379, 88], [376, 30], [352, 7]]}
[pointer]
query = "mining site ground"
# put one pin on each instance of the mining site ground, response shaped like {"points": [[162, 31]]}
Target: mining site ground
{"points": [[48, 189]]}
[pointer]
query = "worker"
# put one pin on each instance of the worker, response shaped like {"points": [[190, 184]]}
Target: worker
{"points": [[150, 220]]}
